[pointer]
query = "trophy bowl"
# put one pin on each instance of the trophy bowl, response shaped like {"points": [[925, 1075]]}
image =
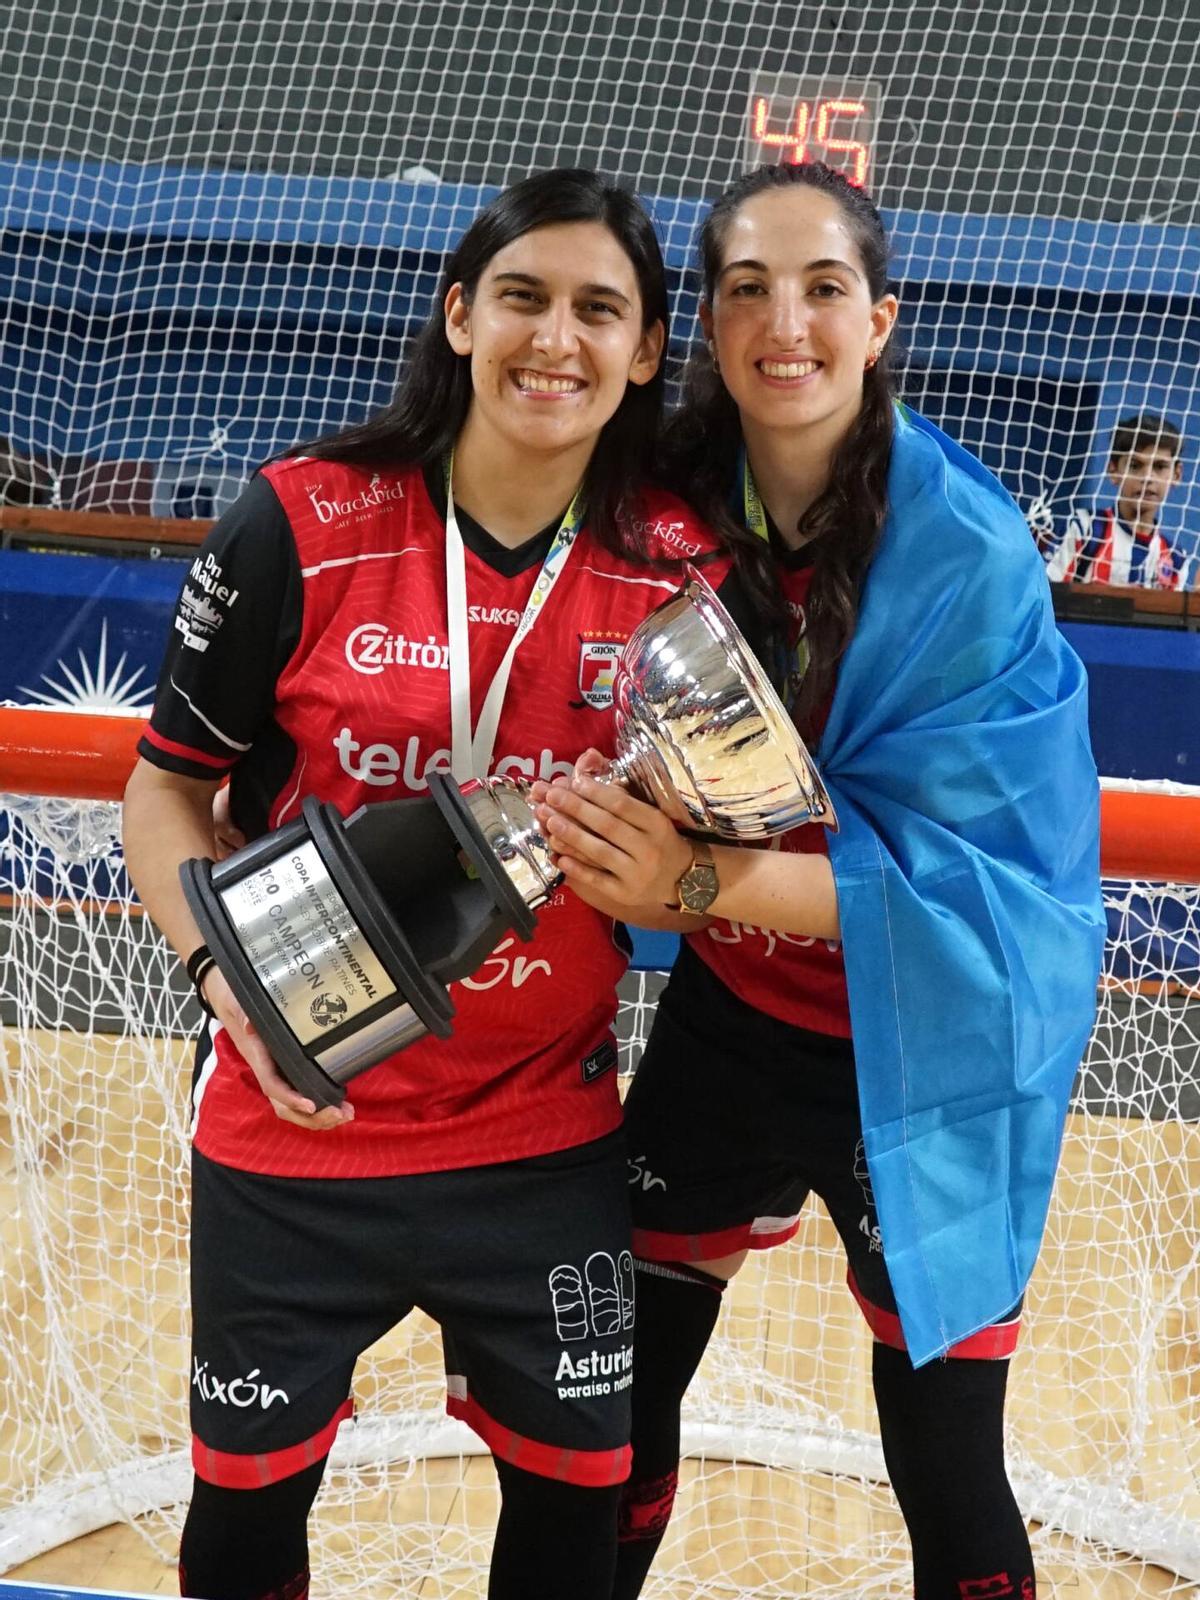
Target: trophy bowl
{"points": [[340, 936], [701, 732]]}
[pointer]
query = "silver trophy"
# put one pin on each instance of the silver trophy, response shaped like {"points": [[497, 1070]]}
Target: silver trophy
{"points": [[340, 937]]}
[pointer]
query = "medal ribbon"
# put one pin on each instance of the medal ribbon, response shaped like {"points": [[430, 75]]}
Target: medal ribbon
{"points": [[471, 754], [793, 663]]}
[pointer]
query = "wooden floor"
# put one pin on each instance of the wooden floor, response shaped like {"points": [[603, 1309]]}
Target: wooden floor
{"points": [[1119, 1273], [117, 1558]]}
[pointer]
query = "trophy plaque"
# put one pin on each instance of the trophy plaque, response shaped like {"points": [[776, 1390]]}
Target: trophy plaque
{"points": [[340, 936]]}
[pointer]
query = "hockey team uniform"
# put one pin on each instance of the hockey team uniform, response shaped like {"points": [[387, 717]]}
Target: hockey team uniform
{"points": [[482, 1176], [777, 1023], [967, 966]]}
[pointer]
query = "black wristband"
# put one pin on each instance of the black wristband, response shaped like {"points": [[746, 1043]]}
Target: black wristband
{"points": [[198, 966]]}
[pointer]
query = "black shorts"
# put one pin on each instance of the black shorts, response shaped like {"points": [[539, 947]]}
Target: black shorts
{"points": [[525, 1265], [732, 1120]]}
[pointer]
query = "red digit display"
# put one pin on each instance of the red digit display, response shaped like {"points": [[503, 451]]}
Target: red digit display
{"points": [[827, 114], [795, 142], [807, 119]]}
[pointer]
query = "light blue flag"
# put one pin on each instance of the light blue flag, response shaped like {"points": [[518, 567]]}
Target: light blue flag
{"points": [[967, 867]]}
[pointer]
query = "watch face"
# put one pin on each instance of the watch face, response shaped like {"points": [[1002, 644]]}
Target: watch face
{"points": [[698, 888]]}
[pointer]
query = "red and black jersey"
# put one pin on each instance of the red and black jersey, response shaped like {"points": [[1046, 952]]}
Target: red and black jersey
{"points": [[309, 657], [789, 976], [1098, 548]]}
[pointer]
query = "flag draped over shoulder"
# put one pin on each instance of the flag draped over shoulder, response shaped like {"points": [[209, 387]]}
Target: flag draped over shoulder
{"points": [[967, 868]]}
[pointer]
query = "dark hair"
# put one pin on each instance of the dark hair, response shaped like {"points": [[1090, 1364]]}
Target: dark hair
{"points": [[434, 392], [1145, 431], [703, 439]]}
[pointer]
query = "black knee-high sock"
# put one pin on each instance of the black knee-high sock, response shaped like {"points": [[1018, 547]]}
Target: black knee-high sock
{"points": [[677, 1310], [554, 1541], [248, 1544], [943, 1441]]}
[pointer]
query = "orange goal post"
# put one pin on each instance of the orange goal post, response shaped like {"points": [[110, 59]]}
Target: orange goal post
{"points": [[1150, 830], [785, 1470]]}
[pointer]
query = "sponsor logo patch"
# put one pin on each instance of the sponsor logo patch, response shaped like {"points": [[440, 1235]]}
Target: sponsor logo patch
{"points": [[602, 1059], [243, 1391], [640, 1174], [672, 534], [869, 1226], [377, 493], [596, 1303], [383, 765], [204, 603]]}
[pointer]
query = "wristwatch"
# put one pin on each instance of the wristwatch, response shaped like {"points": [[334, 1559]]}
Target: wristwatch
{"points": [[697, 887]]}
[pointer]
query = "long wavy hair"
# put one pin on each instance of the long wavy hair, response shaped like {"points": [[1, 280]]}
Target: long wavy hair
{"points": [[703, 439], [431, 402]]}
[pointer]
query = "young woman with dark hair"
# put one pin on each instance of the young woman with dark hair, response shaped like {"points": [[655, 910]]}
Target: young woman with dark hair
{"points": [[316, 651], [891, 1015]]}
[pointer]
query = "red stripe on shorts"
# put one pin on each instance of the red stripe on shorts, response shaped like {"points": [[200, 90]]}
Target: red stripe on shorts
{"points": [[989, 1344], [229, 1471], [652, 1246], [590, 1469]]}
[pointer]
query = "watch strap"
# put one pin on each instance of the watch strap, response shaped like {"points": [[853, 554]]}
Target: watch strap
{"points": [[702, 856]]}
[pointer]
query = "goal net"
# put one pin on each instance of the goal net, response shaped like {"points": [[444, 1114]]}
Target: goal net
{"points": [[222, 219], [785, 1479]]}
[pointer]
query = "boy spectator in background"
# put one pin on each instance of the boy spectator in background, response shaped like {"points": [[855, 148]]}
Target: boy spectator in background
{"points": [[1122, 543]]}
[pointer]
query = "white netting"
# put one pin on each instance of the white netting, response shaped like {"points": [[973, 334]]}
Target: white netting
{"points": [[222, 217], [1104, 1436]]}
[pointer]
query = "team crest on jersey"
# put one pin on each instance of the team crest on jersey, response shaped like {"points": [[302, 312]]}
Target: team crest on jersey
{"points": [[598, 660]]}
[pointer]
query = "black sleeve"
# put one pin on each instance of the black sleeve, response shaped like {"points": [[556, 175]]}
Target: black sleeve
{"points": [[236, 623]]}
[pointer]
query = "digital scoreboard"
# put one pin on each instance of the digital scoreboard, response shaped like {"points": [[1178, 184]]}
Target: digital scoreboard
{"points": [[796, 119]]}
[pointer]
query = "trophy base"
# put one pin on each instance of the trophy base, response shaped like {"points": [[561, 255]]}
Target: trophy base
{"points": [[313, 954], [339, 938]]}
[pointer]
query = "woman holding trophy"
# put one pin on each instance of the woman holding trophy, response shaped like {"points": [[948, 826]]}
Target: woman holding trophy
{"points": [[890, 1015], [449, 584]]}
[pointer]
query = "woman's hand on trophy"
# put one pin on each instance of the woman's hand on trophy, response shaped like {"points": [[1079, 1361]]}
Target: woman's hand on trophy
{"points": [[618, 853], [287, 1103], [226, 837]]}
